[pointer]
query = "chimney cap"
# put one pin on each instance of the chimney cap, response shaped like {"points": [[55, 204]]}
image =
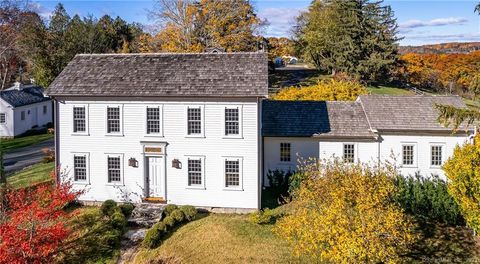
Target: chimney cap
{"points": [[18, 85]]}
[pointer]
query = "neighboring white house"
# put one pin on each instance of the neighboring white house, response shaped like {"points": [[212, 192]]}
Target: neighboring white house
{"points": [[23, 108], [197, 128], [402, 130]]}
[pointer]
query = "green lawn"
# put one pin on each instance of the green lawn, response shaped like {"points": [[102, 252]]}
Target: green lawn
{"points": [[385, 90], [10, 144], [34, 174], [220, 238]]}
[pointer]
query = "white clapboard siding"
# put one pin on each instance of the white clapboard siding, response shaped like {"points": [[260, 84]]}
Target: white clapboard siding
{"points": [[213, 147]]}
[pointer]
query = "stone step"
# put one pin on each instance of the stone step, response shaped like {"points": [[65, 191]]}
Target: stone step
{"points": [[146, 215]]}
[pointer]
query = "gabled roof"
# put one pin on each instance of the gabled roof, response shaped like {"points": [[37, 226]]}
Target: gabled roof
{"points": [[243, 74], [23, 96], [314, 119], [399, 113]]}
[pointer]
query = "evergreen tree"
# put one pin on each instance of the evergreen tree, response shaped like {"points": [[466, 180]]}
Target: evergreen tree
{"points": [[355, 37]]}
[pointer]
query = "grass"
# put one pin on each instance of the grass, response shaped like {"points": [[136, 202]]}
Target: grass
{"points": [[385, 90], [37, 173], [220, 238], [15, 143]]}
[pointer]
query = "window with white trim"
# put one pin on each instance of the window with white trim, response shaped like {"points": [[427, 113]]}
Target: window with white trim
{"points": [[153, 120], [233, 171], [3, 118], [22, 115], [195, 172], [194, 120], [113, 120], [114, 164], [349, 153], [232, 121], [79, 119], [285, 152], [436, 155], [44, 109], [408, 154], [80, 168]]}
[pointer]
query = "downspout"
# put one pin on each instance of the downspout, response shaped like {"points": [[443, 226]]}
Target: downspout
{"points": [[261, 157]]}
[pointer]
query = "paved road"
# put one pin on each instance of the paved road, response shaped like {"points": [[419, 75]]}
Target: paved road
{"points": [[18, 159]]}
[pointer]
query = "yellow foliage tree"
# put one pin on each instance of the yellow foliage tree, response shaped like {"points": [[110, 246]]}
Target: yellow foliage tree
{"points": [[463, 173], [324, 91], [344, 213]]}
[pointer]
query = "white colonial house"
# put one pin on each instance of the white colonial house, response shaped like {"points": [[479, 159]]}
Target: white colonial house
{"points": [[198, 128], [23, 108]]}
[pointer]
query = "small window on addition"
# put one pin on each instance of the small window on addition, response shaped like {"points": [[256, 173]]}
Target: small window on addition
{"points": [[407, 154], [285, 152], [3, 118], [436, 153], [349, 153]]}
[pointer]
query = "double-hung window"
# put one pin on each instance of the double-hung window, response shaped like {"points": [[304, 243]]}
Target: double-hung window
{"points": [[79, 119], [408, 155], [3, 118], [114, 166], [114, 124], [232, 121], [22, 115], [436, 155], [44, 109], [195, 171], [80, 167], [154, 120], [194, 121], [233, 173], [285, 152], [349, 153]]}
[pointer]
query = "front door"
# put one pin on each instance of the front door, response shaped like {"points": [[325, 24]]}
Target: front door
{"points": [[156, 172]]}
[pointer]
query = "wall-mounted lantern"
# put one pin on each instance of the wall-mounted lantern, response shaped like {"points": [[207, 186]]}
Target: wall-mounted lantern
{"points": [[176, 164], [132, 162]]}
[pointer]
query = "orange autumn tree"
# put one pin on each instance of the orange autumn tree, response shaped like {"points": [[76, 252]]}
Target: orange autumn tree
{"points": [[345, 213], [324, 91]]}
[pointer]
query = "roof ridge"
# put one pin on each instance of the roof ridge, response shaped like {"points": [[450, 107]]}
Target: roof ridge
{"points": [[410, 96], [365, 113], [166, 54]]}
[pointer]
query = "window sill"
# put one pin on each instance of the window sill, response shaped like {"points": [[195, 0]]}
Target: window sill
{"points": [[114, 135], [154, 135], [232, 137], [195, 136], [409, 166], [436, 167], [80, 183], [80, 134], [233, 189], [115, 184], [195, 188]]}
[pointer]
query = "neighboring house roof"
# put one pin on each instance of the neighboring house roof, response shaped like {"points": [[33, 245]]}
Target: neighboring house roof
{"points": [[23, 96], [314, 119], [243, 74], [400, 113]]}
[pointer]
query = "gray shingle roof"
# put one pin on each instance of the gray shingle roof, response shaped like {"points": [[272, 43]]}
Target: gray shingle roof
{"points": [[406, 112], [314, 119], [24, 96], [243, 74]]}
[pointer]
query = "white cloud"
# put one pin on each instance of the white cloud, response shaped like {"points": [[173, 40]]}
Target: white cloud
{"points": [[433, 23], [281, 20], [42, 11], [447, 37]]}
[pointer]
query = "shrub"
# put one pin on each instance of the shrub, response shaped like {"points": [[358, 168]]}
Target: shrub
{"points": [[324, 91], [262, 217], [330, 211], [189, 211], [169, 221], [427, 199], [49, 155], [169, 208], [154, 235], [295, 181], [127, 209], [108, 207], [118, 220], [463, 173], [178, 216], [278, 181]]}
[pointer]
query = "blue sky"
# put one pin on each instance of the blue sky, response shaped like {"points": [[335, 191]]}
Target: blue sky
{"points": [[421, 22]]}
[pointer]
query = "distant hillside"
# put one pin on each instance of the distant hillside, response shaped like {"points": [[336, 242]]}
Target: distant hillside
{"points": [[443, 48]]}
